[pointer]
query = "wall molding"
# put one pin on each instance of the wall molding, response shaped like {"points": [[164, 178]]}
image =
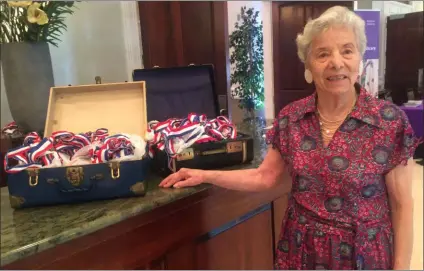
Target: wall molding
{"points": [[132, 36]]}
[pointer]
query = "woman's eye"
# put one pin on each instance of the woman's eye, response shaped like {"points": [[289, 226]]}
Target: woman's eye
{"points": [[322, 55], [348, 52]]}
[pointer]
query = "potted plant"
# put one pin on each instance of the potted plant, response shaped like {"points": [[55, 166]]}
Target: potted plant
{"points": [[247, 77], [27, 29]]}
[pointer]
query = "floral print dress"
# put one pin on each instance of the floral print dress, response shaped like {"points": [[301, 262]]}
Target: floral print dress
{"points": [[338, 215]]}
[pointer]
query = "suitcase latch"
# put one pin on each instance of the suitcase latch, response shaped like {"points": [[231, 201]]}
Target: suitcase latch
{"points": [[75, 175], [235, 146], [115, 173], [187, 154], [33, 176]]}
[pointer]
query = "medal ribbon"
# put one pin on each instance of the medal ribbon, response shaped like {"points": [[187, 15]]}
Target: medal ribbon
{"points": [[175, 135], [37, 152], [10, 128]]}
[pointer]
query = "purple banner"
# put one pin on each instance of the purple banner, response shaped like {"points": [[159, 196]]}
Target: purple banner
{"points": [[369, 71], [372, 29]]}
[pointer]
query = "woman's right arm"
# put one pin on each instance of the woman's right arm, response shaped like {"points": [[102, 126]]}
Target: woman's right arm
{"points": [[258, 179]]}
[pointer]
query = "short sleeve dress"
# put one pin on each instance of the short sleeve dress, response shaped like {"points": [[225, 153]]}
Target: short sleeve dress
{"points": [[338, 215]]}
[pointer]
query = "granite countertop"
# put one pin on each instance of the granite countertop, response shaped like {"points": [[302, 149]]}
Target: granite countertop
{"points": [[28, 231]]}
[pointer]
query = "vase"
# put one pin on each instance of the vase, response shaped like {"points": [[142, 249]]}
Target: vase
{"points": [[28, 77], [254, 121]]}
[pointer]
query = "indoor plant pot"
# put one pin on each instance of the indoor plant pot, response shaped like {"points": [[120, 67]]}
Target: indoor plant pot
{"points": [[28, 77], [27, 30]]}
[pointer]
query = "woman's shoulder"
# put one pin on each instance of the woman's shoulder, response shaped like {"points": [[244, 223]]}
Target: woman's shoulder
{"points": [[298, 108], [390, 115]]}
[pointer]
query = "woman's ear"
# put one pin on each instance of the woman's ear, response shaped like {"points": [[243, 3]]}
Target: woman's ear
{"points": [[308, 75]]}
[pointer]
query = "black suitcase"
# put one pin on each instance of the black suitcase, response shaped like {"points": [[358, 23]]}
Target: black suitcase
{"points": [[176, 92]]}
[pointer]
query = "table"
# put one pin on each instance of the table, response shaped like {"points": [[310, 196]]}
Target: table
{"points": [[416, 119], [195, 228]]}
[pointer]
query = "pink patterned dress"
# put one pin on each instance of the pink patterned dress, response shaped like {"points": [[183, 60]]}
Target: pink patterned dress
{"points": [[338, 215]]}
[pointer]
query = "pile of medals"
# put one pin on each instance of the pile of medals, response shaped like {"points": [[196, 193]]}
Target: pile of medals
{"points": [[64, 148], [175, 135]]}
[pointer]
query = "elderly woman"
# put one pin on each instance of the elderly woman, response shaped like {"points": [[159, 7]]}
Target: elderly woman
{"points": [[349, 156]]}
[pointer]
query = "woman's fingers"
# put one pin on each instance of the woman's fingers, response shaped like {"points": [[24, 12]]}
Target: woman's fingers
{"points": [[174, 178], [185, 183], [170, 180]]}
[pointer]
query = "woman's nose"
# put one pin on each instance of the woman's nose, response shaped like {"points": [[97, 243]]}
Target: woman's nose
{"points": [[336, 61]]}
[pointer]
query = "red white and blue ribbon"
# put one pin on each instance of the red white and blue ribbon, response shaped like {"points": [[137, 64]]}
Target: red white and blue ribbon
{"points": [[175, 135], [10, 129], [37, 152], [33, 153], [113, 147]]}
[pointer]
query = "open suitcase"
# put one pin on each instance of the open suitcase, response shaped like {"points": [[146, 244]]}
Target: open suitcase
{"points": [[177, 92], [119, 107]]}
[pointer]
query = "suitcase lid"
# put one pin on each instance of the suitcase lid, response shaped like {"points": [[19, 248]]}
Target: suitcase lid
{"points": [[176, 92], [119, 107]]}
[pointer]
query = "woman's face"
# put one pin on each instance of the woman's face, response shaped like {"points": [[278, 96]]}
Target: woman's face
{"points": [[334, 60]]}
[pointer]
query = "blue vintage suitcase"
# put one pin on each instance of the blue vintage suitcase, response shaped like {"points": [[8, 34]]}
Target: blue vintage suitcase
{"points": [[119, 107]]}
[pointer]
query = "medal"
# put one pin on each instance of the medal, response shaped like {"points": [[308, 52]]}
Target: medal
{"points": [[60, 148], [175, 135]]}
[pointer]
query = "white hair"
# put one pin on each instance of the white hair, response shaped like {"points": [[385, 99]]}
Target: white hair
{"points": [[334, 16]]}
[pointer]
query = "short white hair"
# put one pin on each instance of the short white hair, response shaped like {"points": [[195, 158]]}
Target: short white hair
{"points": [[334, 16]]}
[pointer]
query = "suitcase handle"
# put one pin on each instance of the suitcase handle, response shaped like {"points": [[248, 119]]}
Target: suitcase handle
{"points": [[75, 190]]}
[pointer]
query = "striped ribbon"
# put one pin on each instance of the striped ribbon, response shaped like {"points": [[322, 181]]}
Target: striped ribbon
{"points": [[37, 152], [32, 154], [175, 135], [10, 128], [113, 147]]}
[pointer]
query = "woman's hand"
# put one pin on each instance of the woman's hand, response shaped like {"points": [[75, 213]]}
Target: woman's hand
{"points": [[183, 178], [254, 179]]}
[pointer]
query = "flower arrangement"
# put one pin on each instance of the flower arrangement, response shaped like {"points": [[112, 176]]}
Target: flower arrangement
{"points": [[33, 21]]}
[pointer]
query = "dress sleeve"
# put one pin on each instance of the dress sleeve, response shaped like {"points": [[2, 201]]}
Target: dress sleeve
{"points": [[277, 136], [404, 144]]}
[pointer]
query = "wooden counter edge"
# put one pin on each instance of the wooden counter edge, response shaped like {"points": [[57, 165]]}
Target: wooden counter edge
{"points": [[137, 241]]}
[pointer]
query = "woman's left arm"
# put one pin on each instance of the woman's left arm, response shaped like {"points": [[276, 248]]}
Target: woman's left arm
{"points": [[399, 186]]}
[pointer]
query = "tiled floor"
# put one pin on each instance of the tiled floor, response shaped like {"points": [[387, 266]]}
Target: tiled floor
{"points": [[417, 252]]}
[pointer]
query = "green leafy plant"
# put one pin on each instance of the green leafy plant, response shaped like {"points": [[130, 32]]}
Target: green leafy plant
{"points": [[247, 57], [33, 21]]}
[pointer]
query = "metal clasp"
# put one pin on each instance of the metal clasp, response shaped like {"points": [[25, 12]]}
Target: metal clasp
{"points": [[33, 176], [187, 154], [75, 175], [235, 146], [115, 173]]}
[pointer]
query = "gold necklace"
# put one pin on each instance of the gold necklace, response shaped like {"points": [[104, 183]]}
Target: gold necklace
{"points": [[329, 127]]}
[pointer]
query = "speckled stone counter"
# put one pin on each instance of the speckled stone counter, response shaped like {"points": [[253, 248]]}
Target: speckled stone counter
{"points": [[28, 231]]}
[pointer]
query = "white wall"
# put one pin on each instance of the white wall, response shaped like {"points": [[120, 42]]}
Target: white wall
{"points": [[264, 8], [418, 5], [94, 45], [102, 39], [6, 117]]}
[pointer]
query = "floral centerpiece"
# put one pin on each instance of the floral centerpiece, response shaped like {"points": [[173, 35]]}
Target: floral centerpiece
{"points": [[30, 21], [26, 30]]}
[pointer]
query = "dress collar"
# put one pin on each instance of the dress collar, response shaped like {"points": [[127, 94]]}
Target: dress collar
{"points": [[365, 109]]}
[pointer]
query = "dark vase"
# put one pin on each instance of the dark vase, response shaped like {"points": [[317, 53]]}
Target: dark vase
{"points": [[28, 77]]}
